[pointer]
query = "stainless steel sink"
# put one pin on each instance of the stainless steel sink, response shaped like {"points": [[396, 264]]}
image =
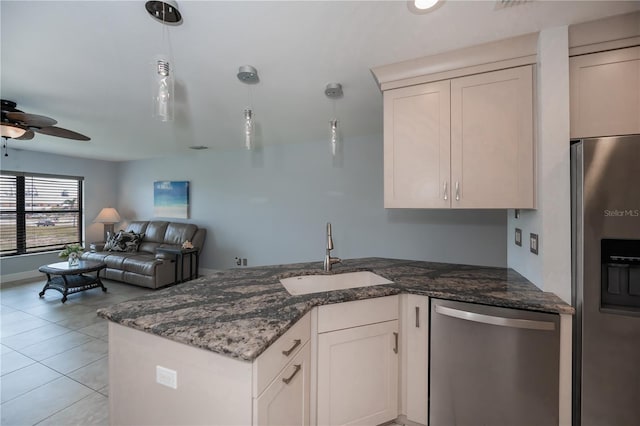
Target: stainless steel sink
{"points": [[318, 283]]}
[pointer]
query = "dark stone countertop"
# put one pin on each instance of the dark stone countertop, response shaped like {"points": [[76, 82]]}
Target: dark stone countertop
{"points": [[240, 312]]}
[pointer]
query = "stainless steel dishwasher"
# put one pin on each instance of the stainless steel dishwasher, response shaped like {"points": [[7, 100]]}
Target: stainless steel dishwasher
{"points": [[492, 366]]}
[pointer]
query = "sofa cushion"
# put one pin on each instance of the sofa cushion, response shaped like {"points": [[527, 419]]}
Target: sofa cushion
{"points": [[178, 233], [139, 227], [125, 242], [155, 232], [142, 264]]}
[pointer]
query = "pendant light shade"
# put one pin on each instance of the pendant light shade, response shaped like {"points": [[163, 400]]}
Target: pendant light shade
{"points": [[248, 75], [166, 12], [248, 129], [163, 99], [334, 91], [334, 137]]}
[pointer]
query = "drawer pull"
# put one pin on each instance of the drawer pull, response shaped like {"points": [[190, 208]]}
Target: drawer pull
{"points": [[395, 348], [296, 343], [446, 191], [297, 368], [417, 316], [457, 191]]}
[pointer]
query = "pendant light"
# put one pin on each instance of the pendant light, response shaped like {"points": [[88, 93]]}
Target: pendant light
{"points": [[334, 91], [248, 75], [166, 12]]}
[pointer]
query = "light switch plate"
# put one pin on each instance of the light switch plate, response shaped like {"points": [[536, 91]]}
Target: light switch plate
{"points": [[518, 238], [533, 243]]}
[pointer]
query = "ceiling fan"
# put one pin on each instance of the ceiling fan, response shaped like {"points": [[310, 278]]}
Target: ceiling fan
{"points": [[19, 125]]}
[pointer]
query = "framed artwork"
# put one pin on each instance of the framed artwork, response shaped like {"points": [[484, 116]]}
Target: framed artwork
{"points": [[171, 199]]}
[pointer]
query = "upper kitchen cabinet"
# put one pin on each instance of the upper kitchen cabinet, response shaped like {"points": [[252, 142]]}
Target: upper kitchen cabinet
{"points": [[461, 143], [459, 128], [417, 146], [605, 93], [492, 140]]}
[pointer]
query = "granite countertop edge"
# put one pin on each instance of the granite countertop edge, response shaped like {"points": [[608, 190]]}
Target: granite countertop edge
{"points": [[239, 312]]}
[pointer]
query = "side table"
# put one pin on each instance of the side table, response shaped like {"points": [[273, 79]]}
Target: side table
{"points": [[71, 279], [180, 253]]}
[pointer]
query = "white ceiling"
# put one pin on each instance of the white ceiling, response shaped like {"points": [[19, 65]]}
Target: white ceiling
{"points": [[89, 64]]}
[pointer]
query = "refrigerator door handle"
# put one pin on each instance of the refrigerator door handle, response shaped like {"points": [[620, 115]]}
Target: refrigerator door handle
{"points": [[493, 320]]}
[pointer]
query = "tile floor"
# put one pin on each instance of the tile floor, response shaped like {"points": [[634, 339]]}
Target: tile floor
{"points": [[53, 356]]}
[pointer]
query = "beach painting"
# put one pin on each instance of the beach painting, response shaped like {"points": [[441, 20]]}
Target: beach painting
{"points": [[171, 199]]}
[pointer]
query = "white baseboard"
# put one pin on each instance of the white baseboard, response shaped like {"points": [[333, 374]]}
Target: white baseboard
{"points": [[20, 276]]}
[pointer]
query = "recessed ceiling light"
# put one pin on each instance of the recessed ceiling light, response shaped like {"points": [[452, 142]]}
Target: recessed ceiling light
{"points": [[425, 4], [420, 7]]}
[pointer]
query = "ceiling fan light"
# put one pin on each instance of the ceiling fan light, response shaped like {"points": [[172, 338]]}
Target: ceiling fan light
{"points": [[9, 130], [425, 4]]}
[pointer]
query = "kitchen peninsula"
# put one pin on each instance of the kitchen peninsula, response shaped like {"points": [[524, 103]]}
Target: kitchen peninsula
{"points": [[219, 335]]}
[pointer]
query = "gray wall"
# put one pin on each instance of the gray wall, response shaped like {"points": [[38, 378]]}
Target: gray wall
{"points": [[271, 206], [100, 190]]}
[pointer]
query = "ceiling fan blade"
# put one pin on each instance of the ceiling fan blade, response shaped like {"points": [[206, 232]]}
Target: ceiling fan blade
{"points": [[30, 120], [62, 133], [27, 136]]}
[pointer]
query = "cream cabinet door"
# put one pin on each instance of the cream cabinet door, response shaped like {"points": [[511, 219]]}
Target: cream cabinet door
{"points": [[416, 146], [605, 93], [358, 375], [492, 149], [416, 342], [285, 402]]}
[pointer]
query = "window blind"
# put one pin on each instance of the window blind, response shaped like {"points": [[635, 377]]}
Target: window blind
{"points": [[39, 212]]}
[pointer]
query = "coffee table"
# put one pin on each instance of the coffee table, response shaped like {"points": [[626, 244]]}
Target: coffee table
{"points": [[72, 279]]}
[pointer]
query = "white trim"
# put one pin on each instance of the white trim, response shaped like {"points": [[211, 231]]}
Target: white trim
{"points": [[19, 276], [508, 53]]}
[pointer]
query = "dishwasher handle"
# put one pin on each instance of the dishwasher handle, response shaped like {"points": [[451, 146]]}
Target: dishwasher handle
{"points": [[490, 319]]}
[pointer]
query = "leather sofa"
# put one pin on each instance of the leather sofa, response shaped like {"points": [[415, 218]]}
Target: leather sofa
{"points": [[146, 267]]}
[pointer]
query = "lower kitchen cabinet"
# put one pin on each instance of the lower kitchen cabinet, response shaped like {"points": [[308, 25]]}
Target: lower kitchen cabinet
{"points": [[286, 399], [358, 366], [415, 345]]}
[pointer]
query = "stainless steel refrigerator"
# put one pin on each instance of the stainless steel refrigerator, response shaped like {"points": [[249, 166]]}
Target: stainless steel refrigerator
{"points": [[605, 178]]}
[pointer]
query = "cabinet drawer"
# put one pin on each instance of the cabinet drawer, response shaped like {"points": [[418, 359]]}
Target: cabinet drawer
{"points": [[271, 362], [357, 313], [286, 400]]}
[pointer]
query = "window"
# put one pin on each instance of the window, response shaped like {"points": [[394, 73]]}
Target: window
{"points": [[39, 212]]}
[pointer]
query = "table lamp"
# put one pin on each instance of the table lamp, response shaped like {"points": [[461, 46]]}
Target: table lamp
{"points": [[108, 216]]}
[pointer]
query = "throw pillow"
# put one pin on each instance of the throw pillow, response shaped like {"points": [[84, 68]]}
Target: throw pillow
{"points": [[111, 241], [127, 242]]}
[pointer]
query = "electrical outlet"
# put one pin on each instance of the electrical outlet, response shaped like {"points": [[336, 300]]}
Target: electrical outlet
{"points": [[167, 377], [238, 261], [518, 238], [533, 243]]}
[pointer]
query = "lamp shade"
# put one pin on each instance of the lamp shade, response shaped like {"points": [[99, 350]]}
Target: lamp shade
{"points": [[108, 215]]}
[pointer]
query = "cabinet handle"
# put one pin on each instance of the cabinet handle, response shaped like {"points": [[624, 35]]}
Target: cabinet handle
{"points": [[296, 343], [457, 191], [446, 191], [417, 316], [395, 348], [288, 380]]}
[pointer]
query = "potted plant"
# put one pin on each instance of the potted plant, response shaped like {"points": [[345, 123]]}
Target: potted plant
{"points": [[72, 252]]}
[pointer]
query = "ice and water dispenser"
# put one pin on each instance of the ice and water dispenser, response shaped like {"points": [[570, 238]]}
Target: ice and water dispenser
{"points": [[620, 288]]}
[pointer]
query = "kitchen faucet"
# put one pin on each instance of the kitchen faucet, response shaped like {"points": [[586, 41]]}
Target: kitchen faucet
{"points": [[328, 260]]}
